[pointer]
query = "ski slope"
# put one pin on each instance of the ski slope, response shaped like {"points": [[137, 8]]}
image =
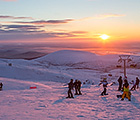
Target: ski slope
{"points": [[48, 102]]}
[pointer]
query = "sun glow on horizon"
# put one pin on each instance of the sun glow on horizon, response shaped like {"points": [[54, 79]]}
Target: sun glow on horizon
{"points": [[104, 37]]}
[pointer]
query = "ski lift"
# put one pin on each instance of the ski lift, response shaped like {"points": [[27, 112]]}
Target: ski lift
{"points": [[118, 65], [133, 65]]}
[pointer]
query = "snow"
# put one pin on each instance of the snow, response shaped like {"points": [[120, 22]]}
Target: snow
{"points": [[67, 57], [50, 74]]}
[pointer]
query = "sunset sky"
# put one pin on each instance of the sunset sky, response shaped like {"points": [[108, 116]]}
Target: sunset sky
{"points": [[70, 22]]}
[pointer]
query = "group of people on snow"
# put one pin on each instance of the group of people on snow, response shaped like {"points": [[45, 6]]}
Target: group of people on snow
{"points": [[135, 84], [123, 86], [126, 91], [71, 86]]}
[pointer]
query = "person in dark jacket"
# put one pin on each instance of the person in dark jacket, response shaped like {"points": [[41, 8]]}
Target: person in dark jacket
{"points": [[137, 82], [1, 85], [76, 87], [70, 86], [120, 83], [79, 87]]}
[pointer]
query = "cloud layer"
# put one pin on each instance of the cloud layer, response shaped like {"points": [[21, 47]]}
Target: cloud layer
{"points": [[47, 22], [12, 17]]}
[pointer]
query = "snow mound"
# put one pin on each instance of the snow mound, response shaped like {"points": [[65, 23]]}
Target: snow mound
{"points": [[65, 57]]}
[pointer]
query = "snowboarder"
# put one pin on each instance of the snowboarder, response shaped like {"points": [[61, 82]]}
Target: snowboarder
{"points": [[137, 82], [120, 83], [134, 85], [76, 87], [1, 85], [126, 90], [70, 86], [105, 83], [79, 87]]}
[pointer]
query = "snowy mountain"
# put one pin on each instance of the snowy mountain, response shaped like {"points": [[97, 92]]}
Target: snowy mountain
{"points": [[18, 54], [50, 75], [65, 57]]}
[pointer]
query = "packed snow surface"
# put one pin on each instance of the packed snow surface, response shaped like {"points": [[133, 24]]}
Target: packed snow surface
{"points": [[50, 75]]}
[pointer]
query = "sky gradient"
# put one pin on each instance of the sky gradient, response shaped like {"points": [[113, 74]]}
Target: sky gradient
{"points": [[71, 22]]}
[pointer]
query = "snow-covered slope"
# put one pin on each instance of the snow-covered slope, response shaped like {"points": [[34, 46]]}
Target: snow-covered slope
{"points": [[47, 102], [68, 57]]}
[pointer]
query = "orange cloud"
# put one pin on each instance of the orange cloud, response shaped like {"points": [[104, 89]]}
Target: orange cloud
{"points": [[103, 16], [109, 15]]}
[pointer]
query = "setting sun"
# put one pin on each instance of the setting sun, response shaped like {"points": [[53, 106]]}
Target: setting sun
{"points": [[104, 36]]}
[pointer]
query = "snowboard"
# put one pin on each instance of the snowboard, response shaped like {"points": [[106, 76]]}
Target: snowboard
{"points": [[119, 96]]}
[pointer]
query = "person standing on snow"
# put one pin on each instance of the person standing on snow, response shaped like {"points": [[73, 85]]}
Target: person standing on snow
{"points": [[120, 83], [1, 86], [137, 82], [134, 85], [70, 86], [79, 87], [105, 83], [126, 90], [76, 87]]}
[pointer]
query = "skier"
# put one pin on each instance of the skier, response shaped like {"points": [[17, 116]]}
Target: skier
{"points": [[76, 87], [126, 90], [70, 86], [120, 83], [137, 82], [1, 86], [105, 83], [79, 87]]}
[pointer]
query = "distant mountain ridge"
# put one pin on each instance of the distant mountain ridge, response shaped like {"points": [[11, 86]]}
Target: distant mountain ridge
{"points": [[14, 54], [82, 60]]}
